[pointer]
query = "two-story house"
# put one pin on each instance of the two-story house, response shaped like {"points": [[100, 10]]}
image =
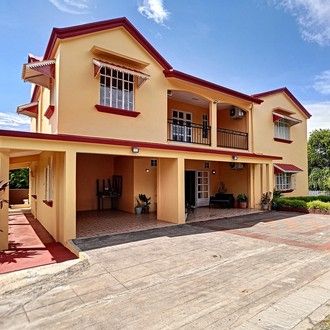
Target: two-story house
{"points": [[106, 104]]}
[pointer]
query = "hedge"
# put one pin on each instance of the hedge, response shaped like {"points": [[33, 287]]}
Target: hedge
{"points": [[313, 204]]}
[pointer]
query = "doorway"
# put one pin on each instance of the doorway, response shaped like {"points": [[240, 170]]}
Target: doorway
{"points": [[197, 188]]}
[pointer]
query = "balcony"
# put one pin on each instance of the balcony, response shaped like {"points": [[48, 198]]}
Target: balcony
{"points": [[227, 138], [188, 132]]}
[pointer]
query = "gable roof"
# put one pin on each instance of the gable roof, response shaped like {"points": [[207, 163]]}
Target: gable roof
{"points": [[289, 94], [78, 30]]}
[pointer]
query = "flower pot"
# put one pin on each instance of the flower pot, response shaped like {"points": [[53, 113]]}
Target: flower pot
{"points": [[138, 210], [242, 205], [264, 207]]}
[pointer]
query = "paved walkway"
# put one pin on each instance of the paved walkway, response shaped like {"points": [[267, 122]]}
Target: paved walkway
{"points": [[262, 271], [30, 245]]}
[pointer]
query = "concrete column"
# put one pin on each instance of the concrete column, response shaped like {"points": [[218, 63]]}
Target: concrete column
{"points": [[251, 186], [250, 131], [67, 196], [270, 177], [170, 190], [257, 185], [4, 195], [213, 114]]}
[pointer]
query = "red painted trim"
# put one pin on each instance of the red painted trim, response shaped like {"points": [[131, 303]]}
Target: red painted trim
{"points": [[78, 30], [49, 112], [116, 111], [34, 196], [35, 93], [282, 140], [48, 203], [129, 143], [205, 83], [290, 95]]}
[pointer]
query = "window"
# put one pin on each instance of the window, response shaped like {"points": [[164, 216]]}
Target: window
{"points": [[284, 181], [116, 89], [48, 183], [182, 130], [153, 162], [282, 129]]}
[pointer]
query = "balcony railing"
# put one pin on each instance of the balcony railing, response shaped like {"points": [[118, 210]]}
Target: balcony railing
{"points": [[232, 139], [184, 131]]}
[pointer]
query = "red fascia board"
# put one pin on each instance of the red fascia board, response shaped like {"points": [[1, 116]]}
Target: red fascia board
{"points": [[128, 143], [289, 94], [74, 31], [208, 84]]}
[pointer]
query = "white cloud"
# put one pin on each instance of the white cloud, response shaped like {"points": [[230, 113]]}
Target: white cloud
{"points": [[155, 10], [313, 17], [320, 115], [15, 122], [76, 7], [322, 83]]}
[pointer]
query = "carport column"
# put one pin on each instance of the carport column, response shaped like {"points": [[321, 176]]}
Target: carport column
{"points": [[4, 195], [170, 190], [270, 177], [67, 223], [214, 123]]}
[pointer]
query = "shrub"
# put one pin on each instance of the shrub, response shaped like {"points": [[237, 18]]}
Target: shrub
{"points": [[319, 205], [311, 198], [292, 203]]}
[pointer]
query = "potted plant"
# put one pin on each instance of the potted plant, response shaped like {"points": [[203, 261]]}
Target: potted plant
{"points": [[145, 202], [265, 200], [138, 207], [242, 201]]}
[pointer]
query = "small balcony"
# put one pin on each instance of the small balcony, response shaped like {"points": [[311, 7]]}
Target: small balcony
{"points": [[227, 138], [188, 132]]}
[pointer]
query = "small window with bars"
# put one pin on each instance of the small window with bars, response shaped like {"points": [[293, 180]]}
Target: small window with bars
{"points": [[153, 162], [116, 89], [284, 181], [282, 129]]}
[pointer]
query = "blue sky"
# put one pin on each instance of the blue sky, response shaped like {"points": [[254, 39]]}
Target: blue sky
{"points": [[250, 45]]}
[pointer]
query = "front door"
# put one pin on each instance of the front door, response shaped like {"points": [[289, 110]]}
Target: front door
{"points": [[181, 126], [202, 188], [190, 188]]}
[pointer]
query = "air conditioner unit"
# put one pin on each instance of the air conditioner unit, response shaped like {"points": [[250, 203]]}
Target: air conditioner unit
{"points": [[237, 113], [236, 166]]}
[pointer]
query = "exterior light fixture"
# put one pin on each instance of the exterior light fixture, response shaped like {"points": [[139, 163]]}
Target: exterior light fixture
{"points": [[213, 172], [234, 157], [135, 150], [147, 170]]}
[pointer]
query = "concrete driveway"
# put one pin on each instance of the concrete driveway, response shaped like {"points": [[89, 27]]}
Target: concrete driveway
{"points": [[262, 271]]}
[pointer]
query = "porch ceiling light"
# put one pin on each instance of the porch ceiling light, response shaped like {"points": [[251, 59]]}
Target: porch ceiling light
{"points": [[135, 150], [234, 157], [147, 170], [213, 172]]}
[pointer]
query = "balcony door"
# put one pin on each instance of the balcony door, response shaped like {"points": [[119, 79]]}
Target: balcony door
{"points": [[202, 188], [182, 126]]}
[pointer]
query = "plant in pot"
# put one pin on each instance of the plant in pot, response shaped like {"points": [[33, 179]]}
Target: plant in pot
{"points": [[138, 207], [242, 201], [266, 199], [146, 202]]}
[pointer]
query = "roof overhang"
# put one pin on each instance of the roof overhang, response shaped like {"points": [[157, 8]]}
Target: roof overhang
{"points": [[40, 72], [30, 109], [286, 168], [99, 64], [204, 83], [289, 120]]}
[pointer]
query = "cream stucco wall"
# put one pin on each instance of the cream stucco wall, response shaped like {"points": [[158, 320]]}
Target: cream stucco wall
{"points": [[294, 153]]}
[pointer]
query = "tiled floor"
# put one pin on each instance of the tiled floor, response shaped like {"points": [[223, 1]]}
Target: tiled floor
{"points": [[30, 245], [91, 223]]}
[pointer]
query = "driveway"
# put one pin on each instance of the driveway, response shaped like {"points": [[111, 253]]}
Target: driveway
{"points": [[261, 271]]}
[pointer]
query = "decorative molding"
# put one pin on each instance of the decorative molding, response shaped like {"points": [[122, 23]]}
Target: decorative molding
{"points": [[116, 111]]}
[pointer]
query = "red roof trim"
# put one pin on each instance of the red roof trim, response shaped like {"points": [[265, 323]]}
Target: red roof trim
{"points": [[151, 145], [116, 111], [286, 168], [205, 83], [49, 112], [289, 94], [74, 31]]}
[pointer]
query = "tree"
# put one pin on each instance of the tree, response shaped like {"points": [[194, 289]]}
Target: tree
{"points": [[19, 179], [319, 160]]}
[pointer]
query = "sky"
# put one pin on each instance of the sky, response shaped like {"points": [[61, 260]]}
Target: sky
{"points": [[247, 45]]}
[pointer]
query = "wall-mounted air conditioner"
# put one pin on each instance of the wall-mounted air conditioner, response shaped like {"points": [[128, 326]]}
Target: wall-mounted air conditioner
{"points": [[236, 166], [236, 113]]}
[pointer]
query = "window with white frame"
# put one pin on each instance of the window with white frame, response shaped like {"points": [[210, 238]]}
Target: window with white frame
{"points": [[48, 183], [282, 129], [116, 89], [284, 181]]}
